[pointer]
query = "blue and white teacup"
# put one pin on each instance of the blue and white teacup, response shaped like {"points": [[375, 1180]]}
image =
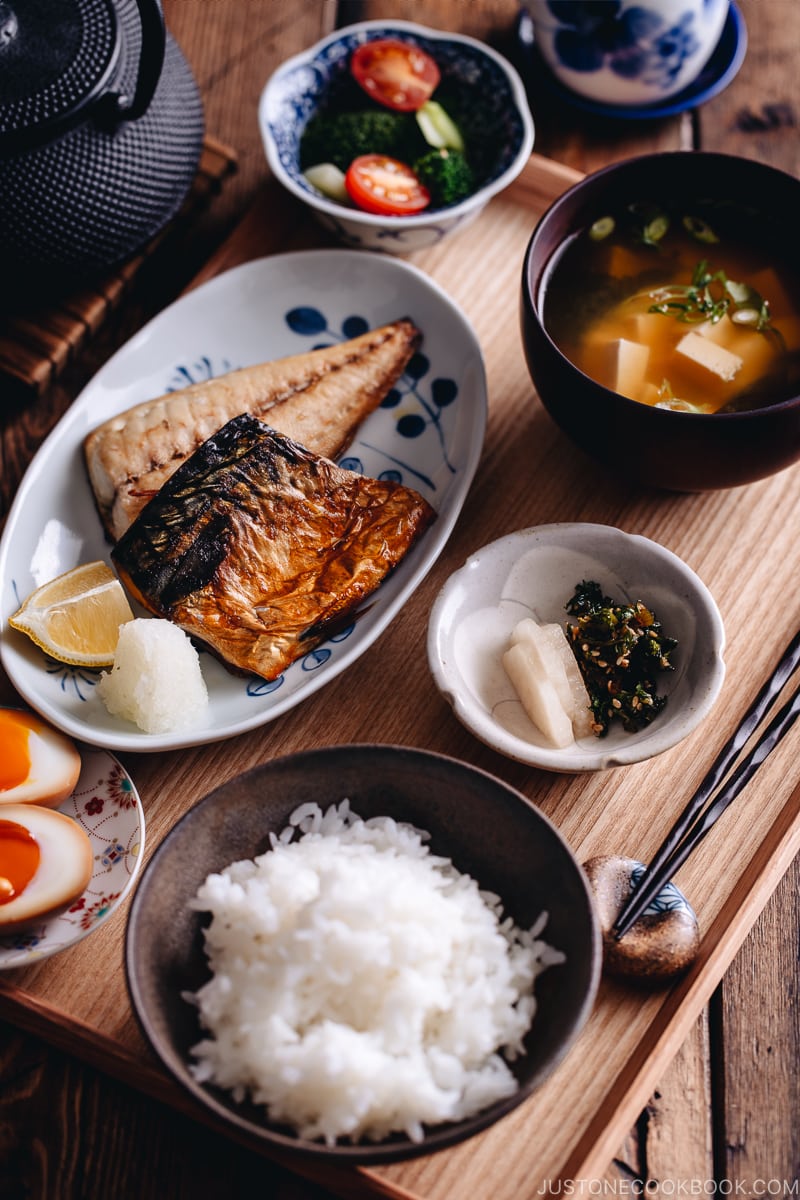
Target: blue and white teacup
{"points": [[627, 52]]}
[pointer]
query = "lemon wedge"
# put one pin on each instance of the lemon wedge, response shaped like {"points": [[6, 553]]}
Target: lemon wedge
{"points": [[76, 617]]}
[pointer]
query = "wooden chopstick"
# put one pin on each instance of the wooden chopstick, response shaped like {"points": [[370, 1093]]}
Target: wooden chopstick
{"points": [[693, 824]]}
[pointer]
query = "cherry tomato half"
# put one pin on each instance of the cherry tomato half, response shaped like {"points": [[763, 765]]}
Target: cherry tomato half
{"points": [[384, 185], [394, 73]]}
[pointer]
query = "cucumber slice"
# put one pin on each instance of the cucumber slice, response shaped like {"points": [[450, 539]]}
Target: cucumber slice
{"points": [[438, 129], [328, 179]]}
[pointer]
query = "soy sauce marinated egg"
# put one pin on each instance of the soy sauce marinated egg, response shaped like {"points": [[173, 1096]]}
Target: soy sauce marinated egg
{"points": [[38, 765], [45, 864]]}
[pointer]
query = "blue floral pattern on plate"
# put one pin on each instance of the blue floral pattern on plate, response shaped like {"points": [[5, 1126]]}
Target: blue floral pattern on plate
{"points": [[429, 434], [415, 421]]}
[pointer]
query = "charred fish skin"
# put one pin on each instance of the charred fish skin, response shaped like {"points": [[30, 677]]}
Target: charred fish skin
{"points": [[318, 398], [262, 549]]}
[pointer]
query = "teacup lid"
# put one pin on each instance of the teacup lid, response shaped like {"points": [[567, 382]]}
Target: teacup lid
{"points": [[56, 57]]}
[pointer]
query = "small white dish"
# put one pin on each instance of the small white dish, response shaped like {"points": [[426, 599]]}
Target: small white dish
{"points": [[534, 573], [299, 87], [106, 805], [428, 433]]}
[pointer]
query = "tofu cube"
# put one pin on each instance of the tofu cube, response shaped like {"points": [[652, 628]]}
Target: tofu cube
{"points": [[756, 350], [653, 329], [707, 354], [722, 332], [628, 367], [623, 263]]}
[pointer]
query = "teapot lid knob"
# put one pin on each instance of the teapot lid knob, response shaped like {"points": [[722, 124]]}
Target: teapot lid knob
{"points": [[56, 57]]}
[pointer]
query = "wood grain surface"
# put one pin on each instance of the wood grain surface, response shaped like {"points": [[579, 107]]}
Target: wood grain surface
{"points": [[726, 1109]]}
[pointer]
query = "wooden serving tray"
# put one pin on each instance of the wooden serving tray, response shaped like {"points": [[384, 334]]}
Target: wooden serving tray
{"points": [[743, 543]]}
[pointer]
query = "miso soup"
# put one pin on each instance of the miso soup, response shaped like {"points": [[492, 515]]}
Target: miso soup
{"points": [[677, 309]]}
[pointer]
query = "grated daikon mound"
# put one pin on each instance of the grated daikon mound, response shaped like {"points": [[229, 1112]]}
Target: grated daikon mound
{"points": [[156, 679], [360, 984]]}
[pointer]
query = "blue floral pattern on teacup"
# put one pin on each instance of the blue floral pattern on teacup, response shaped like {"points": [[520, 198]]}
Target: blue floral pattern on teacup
{"points": [[634, 43]]}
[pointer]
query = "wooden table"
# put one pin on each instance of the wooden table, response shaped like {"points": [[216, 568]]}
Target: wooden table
{"points": [[727, 1109]]}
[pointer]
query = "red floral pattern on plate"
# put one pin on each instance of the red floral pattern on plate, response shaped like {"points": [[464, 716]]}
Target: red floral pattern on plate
{"points": [[106, 805]]}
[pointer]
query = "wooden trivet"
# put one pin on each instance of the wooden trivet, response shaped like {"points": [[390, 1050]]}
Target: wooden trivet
{"points": [[36, 347]]}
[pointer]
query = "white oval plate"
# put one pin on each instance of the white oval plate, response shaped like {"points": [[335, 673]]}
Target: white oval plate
{"points": [[533, 573], [429, 435], [106, 805]]}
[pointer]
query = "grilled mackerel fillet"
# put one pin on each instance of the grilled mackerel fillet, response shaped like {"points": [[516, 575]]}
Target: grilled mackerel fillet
{"points": [[262, 549], [318, 398]]}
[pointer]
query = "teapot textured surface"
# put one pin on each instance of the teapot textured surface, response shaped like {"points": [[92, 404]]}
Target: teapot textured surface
{"points": [[101, 128]]}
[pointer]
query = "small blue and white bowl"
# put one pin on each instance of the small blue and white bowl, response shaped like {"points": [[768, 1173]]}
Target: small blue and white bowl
{"points": [[294, 92]]}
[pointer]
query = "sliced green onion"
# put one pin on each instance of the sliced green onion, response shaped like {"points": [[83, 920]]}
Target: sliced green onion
{"points": [[746, 316], [654, 230], [740, 293], [699, 229], [602, 227]]}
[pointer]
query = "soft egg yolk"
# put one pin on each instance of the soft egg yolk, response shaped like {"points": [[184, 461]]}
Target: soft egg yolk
{"points": [[19, 859], [15, 755]]}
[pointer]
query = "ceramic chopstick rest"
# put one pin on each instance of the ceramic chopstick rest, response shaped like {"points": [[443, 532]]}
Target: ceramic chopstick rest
{"points": [[662, 944]]}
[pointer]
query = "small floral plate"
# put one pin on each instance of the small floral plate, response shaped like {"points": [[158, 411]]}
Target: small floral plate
{"points": [[106, 804]]}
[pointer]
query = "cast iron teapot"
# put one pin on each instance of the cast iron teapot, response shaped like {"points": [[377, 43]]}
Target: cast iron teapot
{"points": [[101, 126]]}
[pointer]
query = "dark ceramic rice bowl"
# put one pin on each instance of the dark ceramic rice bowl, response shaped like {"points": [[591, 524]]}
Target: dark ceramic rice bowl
{"points": [[490, 831]]}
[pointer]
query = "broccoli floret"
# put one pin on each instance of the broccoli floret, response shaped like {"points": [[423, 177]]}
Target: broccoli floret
{"points": [[447, 175], [341, 137], [479, 128]]}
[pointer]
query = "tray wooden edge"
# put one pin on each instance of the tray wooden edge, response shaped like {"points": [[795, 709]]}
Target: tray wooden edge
{"points": [[630, 1091], [626, 1096], [541, 182]]}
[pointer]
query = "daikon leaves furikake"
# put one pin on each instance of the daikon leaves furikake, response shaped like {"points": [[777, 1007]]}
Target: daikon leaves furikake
{"points": [[620, 648]]}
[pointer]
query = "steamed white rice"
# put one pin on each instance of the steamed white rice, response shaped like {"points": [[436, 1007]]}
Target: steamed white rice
{"points": [[361, 985]]}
